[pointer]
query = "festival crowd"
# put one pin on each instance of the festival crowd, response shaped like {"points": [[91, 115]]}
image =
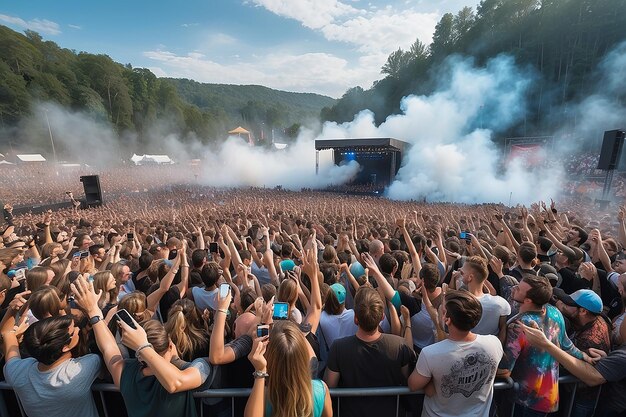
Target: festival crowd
{"points": [[289, 294]]}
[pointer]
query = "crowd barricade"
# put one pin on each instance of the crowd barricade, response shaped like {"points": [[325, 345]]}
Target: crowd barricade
{"points": [[99, 389]]}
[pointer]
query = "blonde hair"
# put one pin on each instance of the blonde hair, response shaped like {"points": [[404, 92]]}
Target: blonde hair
{"points": [[289, 385], [185, 326], [100, 280]]}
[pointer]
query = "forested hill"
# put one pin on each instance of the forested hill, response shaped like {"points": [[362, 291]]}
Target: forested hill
{"points": [[247, 100], [564, 41], [134, 99]]}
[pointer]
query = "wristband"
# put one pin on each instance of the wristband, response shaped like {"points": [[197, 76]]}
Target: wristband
{"points": [[93, 320], [222, 310], [142, 347], [260, 374]]}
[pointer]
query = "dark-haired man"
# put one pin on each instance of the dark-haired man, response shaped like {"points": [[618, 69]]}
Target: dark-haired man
{"points": [[369, 359], [50, 383], [536, 372], [461, 367]]}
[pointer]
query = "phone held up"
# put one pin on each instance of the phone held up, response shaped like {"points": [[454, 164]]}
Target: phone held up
{"points": [[281, 311], [124, 316], [262, 330], [224, 290]]}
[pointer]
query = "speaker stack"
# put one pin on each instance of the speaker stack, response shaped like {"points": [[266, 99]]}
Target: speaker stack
{"points": [[93, 192]]}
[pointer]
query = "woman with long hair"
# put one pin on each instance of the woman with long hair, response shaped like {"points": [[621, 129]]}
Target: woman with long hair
{"points": [[284, 360], [150, 384], [188, 331], [105, 282]]}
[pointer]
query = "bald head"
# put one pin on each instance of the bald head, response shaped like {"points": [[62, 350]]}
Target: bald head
{"points": [[376, 249], [244, 324]]}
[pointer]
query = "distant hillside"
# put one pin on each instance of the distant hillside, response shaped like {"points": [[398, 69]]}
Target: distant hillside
{"points": [[233, 98], [134, 100]]}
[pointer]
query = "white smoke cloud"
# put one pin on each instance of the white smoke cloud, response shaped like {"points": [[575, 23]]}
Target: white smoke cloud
{"points": [[452, 158], [237, 164]]}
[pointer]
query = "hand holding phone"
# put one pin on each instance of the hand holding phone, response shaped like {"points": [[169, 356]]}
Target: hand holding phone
{"points": [[262, 330], [125, 316], [224, 290], [213, 247]]}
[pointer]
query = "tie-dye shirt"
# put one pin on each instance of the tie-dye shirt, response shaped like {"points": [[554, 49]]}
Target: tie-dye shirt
{"points": [[534, 370]]}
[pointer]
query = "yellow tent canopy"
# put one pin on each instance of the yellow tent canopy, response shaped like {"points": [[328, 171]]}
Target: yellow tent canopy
{"points": [[239, 130]]}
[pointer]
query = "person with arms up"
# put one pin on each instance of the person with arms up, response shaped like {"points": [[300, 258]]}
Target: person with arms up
{"points": [[150, 384]]}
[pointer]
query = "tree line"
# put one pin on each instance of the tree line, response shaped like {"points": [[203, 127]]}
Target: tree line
{"points": [[563, 40], [134, 99]]}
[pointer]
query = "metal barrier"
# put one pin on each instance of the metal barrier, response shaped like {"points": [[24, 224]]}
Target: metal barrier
{"points": [[337, 393]]}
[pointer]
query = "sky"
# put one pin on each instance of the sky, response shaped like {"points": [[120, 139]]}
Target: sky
{"points": [[318, 46]]}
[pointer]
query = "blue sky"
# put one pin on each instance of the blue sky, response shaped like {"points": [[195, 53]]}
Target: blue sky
{"points": [[321, 46]]}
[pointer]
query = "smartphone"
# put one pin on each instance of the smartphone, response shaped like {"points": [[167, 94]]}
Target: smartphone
{"points": [[262, 330], [130, 236], [463, 235], [84, 254], [249, 239], [213, 247], [224, 290], [20, 274], [125, 317], [281, 311]]}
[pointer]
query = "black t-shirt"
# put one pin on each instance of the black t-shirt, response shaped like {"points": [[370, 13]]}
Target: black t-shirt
{"points": [[613, 370], [195, 279], [571, 282], [170, 297], [373, 364]]}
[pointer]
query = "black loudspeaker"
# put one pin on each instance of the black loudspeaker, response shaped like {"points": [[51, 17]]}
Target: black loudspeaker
{"points": [[93, 192], [611, 149]]}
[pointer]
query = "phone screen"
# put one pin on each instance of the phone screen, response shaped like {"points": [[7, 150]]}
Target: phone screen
{"points": [[84, 254], [224, 290], [130, 236], [213, 247], [463, 235], [281, 310], [125, 317], [262, 330]]}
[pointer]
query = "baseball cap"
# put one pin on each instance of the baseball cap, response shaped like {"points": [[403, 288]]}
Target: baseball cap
{"points": [[357, 270], [564, 297], [287, 265], [340, 292], [588, 300]]}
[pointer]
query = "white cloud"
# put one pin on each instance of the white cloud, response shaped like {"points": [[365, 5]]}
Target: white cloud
{"points": [[38, 25], [75, 27], [369, 30], [309, 72], [314, 14]]}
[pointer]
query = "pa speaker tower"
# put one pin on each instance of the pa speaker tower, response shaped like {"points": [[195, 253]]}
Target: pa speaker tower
{"points": [[611, 149], [93, 192]]}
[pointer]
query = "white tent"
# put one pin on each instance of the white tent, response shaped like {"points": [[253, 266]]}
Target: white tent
{"points": [[151, 159], [3, 162], [31, 157]]}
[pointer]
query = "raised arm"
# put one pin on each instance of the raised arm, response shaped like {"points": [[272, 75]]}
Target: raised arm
{"points": [[415, 258], [383, 284], [164, 285], [169, 376], [87, 299]]}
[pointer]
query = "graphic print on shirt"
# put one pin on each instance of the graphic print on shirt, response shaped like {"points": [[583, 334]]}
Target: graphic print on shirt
{"points": [[468, 375]]}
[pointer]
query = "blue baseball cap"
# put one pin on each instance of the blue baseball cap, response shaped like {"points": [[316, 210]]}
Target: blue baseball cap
{"points": [[588, 300], [340, 292]]}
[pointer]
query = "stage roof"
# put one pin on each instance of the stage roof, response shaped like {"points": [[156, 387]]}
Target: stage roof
{"points": [[387, 144]]}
